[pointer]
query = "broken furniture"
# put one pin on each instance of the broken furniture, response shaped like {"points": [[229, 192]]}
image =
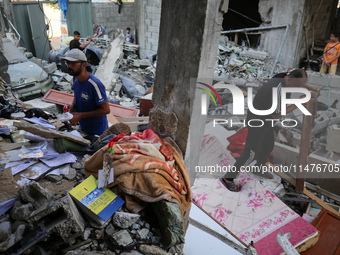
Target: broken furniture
{"points": [[328, 224], [62, 98]]}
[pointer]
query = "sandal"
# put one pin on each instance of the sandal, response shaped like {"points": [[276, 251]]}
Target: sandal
{"points": [[229, 185]]}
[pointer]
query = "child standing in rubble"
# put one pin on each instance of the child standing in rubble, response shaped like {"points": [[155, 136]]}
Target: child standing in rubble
{"points": [[331, 55]]}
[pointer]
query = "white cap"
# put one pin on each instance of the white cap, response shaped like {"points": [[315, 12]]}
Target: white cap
{"points": [[74, 55]]}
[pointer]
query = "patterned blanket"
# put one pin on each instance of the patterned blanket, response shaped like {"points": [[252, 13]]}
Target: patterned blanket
{"points": [[146, 168], [253, 214]]}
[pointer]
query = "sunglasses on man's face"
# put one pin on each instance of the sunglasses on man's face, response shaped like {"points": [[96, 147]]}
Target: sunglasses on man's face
{"points": [[70, 63]]}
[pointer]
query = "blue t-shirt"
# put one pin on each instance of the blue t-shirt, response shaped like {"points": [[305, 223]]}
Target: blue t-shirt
{"points": [[129, 38], [88, 96], [101, 29]]}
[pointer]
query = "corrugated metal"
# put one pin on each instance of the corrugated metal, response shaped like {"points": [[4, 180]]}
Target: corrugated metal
{"points": [[38, 29], [79, 18], [21, 23]]}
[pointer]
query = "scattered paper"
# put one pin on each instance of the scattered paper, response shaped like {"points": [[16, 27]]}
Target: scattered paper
{"points": [[5, 206], [35, 171], [63, 158], [35, 138], [19, 166], [36, 150], [66, 116], [41, 122], [64, 170], [75, 133]]}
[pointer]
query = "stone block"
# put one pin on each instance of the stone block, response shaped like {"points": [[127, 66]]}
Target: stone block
{"points": [[33, 193], [142, 234], [152, 250], [122, 238], [133, 252], [64, 218], [21, 211], [110, 229], [124, 220], [5, 231], [50, 68]]}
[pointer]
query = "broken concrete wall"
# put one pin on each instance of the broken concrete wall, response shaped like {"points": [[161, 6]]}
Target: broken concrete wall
{"points": [[321, 18], [106, 14], [148, 18], [289, 12], [3, 65], [330, 88]]}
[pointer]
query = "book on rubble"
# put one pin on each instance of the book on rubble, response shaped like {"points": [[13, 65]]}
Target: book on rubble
{"points": [[98, 203]]}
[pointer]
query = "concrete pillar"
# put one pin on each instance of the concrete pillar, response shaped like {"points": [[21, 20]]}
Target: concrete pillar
{"points": [[187, 50]]}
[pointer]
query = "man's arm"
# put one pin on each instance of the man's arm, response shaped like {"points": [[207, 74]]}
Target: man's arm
{"points": [[103, 109], [312, 88], [85, 44]]}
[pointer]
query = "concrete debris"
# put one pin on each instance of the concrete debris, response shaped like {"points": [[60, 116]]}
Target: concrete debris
{"points": [[152, 250], [124, 220], [62, 218], [242, 62], [21, 211], [122, 238], [33, 193], [5, 230], [142, 234]]}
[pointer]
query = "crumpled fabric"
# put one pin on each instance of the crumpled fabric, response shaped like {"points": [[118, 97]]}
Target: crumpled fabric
{"points": [[146, 168], [63, 6]]}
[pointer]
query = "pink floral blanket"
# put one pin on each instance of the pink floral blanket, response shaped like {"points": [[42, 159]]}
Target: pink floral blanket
{"points": [[253, 214]]}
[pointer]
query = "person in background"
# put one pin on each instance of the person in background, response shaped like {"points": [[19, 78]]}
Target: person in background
{"points": [[260, 139], [90, 104], [331, 55], [75, 44], [129, 38], [100, 31]]}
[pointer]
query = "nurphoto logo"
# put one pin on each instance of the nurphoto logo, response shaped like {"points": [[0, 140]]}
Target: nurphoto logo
{"points": [[239, 106]]}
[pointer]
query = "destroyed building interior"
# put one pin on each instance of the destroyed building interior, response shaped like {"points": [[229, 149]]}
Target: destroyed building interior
{"points": [[179, 95]]}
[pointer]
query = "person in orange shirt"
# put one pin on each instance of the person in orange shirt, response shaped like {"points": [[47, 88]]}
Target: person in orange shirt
{"points": [[331, 55]]}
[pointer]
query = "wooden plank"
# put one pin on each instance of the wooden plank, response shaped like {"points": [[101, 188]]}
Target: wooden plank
{"points": [[306, 135], [308, 193], [63, 98], [49, 133]]}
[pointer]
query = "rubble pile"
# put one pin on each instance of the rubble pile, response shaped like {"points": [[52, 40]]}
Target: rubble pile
{"points": [[241, 65], [40, 216]]}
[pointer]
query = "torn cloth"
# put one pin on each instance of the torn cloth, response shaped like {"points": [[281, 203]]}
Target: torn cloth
{"points": [[146, 168]]}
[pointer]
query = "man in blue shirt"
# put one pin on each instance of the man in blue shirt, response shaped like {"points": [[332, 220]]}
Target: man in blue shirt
{"points": [[129, 37], [90, 104], [100, 31]]}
